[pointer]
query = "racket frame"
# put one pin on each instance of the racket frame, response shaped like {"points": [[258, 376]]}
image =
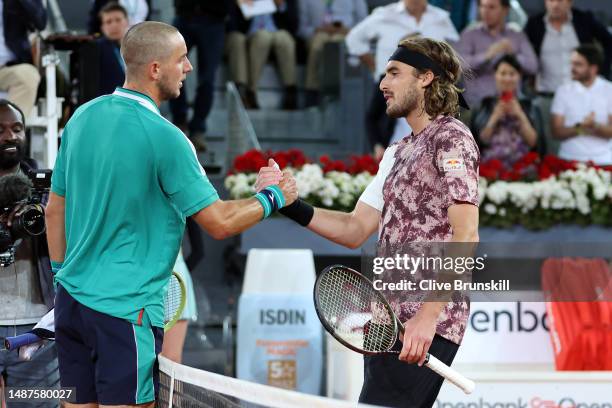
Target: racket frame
{"points": [[177, 315], [433, 363], [397, 326]]}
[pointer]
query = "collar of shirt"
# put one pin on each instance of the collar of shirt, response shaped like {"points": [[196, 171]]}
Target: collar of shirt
{"points": [[144, 100], [430, 11], [596, 84], [501, 33], [568, 22]]}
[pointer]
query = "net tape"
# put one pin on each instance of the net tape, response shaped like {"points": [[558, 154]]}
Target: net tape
{"points": [[187, 387]]}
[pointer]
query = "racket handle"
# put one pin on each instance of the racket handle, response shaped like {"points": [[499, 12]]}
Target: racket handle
{"points": [[450, 374], [13, 343]]}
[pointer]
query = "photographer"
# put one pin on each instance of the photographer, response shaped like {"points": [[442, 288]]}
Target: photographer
{"points": [[26, 282]]}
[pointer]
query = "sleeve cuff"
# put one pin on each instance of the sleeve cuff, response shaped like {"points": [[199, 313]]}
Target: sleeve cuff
{"points": [[58, 190], [195, 196]]}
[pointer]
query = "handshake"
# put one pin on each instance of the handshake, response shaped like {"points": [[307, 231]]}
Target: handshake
{"points": [[272, 175]]}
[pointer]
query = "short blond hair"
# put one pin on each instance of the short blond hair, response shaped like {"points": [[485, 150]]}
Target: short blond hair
{"points": [[442, 95], [144, 43]]}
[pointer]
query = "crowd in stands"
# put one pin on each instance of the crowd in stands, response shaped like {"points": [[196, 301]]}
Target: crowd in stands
{"points": [[555, 63]]}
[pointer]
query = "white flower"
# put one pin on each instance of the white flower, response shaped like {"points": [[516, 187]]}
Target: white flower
{"points": [[490, 208]]}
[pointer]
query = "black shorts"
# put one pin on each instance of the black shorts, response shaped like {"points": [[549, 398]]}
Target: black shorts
{"points": [[390, 382], [108, 360]]}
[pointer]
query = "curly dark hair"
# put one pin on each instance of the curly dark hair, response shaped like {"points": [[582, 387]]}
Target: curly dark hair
{"points": [[442, 95]]}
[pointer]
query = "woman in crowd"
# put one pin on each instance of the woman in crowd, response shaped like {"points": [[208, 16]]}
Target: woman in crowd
{"points": [[505, 125]]}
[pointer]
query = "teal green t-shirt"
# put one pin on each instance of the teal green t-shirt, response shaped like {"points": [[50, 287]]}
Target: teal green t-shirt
{"points": [[129, 178]]}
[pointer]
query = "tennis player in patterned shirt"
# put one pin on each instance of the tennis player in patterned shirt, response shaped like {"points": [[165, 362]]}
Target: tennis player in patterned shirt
{"points": [[426, 190]]}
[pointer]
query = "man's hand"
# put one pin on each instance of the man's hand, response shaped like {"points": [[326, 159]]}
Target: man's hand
{"points": [[418, 335], [288, 187], [368, 61], [268, 176], [501, 47], [325, 28], [15, 213], [589, 121]]}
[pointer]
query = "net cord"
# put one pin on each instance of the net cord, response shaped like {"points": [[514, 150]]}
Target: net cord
{"points": [[247, 391]]}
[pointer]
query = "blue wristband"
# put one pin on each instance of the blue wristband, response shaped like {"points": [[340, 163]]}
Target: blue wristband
{"points": [[56, 266], [263, 200], [278, 195], [271, 199]]}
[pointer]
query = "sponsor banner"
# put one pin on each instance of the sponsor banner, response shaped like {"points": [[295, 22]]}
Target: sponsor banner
{"points": [[532, 394], [280, 341], [506, 333]]}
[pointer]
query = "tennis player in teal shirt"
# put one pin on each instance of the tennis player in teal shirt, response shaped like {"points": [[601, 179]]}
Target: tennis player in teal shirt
{"points": [[124, 182]]}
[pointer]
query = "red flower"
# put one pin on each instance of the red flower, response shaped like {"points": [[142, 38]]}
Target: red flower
{"points": [[249, 162], [281, 158], [359, 164], [544, 172]]}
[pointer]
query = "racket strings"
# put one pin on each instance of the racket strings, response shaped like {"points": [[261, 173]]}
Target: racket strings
{"points": [[347, 302], [172, 299]]}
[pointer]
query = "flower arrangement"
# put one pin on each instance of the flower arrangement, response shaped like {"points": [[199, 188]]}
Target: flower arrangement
{"points": [[333, 184], [541, 192], [537, 192]]}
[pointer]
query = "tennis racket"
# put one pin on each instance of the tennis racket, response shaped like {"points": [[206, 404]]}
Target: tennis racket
{"points": [[360, 318], [174, 304], [174, 300]]}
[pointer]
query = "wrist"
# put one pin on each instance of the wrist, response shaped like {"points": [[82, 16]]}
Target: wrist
{"points": [[271, 199], [299, 211], [56, 266], [578, 130], [431, 310]]}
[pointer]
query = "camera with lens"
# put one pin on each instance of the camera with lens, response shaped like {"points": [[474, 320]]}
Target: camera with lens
{"points": [[28, 191]]}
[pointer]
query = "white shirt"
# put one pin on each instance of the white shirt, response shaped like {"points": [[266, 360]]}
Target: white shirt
{"points": [[137, 10], [6, 54], [373, 193], [400, 131], [575, 102], [557, 47], [387, 25]]}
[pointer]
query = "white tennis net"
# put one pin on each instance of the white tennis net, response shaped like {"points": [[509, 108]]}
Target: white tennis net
{"points": [[187, 387]]}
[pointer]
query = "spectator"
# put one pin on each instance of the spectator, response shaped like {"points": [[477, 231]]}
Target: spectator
{"points": [[323, 22], [459, 10], [556, 33], [248, 48], [114, 19], [18, 76], [137, 12], [582, 110], [26, 286], [386, 26], [484, 44], [202, 24], [504, 124]]}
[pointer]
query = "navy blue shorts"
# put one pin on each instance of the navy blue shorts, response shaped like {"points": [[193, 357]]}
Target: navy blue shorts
{"points": [[108, 360], [390, 382]]}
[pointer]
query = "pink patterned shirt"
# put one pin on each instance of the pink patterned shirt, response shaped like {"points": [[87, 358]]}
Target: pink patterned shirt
{"points": [[431, 171]]}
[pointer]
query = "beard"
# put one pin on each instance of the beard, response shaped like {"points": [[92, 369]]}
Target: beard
{"points": [[8, 160], [581, 77], [167, 90], [403, 105]]}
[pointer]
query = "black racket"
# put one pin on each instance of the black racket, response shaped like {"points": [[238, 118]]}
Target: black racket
{"points": [[360, 318]]}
